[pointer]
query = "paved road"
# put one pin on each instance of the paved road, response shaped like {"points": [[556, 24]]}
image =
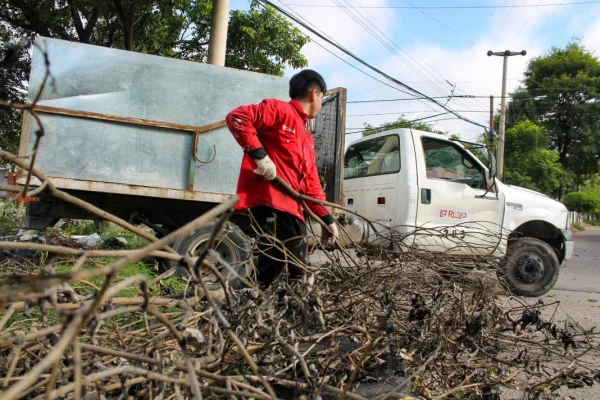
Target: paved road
{"points": [[582, 273], [578, 290], [578, 286]]}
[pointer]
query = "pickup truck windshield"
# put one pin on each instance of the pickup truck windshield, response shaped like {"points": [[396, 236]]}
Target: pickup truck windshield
{"points": [[373, 157]]}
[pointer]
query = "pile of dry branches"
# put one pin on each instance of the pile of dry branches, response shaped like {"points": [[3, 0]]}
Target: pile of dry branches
{"points": [[353, 327]]}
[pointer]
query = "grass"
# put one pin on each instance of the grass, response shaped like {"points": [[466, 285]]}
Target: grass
{"points": [[146, 267], [10, 216], [578, 226], [168, 286], [106, 230]]}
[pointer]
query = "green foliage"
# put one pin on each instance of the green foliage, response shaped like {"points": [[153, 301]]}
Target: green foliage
{"points": [[560, 93], [528, 162], [10, 217], [134, 241], [578, 226], [264, 41], [169, 286], [587, 202], [258, 40], [401, 122], [13, 80]]}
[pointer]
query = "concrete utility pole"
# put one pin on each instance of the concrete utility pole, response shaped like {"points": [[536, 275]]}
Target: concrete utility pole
{"points": [[218, 32], [502, 127]]}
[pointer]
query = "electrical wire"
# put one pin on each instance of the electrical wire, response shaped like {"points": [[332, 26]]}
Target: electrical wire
{"points": [[391, 126], [461, 35], [452, 7], [378, 71], [535, 37], [524, 26], [438, 97], [412, 112], [345, 61], [379, 38], [432, 83], [503, 24], [416, 70]]}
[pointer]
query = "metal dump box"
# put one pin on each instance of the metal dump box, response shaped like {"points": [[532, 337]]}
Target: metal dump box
{"points": [[130, 132]]}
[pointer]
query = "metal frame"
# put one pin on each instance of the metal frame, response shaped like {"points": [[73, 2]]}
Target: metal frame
{"points": [[189, 194]]}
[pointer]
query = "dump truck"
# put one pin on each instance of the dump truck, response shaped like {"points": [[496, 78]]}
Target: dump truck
{"points": [[143, 137]]}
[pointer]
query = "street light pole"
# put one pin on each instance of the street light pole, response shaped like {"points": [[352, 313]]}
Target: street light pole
{"points": [[218, 32], [502, 127]]}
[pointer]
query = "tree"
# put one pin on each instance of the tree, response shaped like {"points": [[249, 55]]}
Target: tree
{"points": [[561, 93], [587, 202], [13, 76], [259, 39], [401, 122], [528, 162]]}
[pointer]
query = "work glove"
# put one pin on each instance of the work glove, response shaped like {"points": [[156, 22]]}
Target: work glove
{"points": [[266, 168], [326, 236]]}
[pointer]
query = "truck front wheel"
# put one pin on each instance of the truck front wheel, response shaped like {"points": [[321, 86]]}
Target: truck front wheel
{"points": [[531, 267], [231, 243]]}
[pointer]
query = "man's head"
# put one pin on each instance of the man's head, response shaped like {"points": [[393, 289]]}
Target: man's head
{"points": [[308, 88]]}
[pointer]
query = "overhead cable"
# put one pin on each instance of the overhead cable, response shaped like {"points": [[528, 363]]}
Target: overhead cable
{"points": [[360, 60]]}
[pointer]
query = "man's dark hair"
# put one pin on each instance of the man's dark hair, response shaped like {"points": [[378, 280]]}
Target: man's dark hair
{"points": [[305, 81]]}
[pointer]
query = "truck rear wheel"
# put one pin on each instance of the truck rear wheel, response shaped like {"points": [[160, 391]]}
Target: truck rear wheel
{"points": [[231, 243], [531, 267]]}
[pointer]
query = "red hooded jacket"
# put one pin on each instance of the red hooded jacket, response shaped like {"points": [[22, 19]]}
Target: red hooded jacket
{"points": [[279, 127]]}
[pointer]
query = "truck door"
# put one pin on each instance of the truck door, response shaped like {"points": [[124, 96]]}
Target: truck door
{"points": [[455, 214], [371, 177]]}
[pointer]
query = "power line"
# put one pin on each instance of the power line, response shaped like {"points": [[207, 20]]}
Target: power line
{"points": [[412, 112], [360, 60], [350, 64], [427, 80], [449, 7], [503, 24], [416, 70], [438, 97], [524, 26], [379, 38], [461, 35], [544, 26], [399, 124]]}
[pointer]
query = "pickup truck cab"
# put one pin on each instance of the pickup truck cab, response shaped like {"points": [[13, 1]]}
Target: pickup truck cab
{"points": [[441, 198]]}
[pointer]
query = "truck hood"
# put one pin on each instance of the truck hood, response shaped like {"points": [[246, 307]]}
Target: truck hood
{"points": [[524, 205]]}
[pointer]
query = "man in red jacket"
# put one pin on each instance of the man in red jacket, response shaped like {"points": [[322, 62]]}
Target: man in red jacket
{"points": [[276, 143]]}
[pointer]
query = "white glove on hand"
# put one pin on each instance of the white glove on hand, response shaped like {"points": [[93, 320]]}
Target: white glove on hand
{"points": [[326, 237], [266, 168]]}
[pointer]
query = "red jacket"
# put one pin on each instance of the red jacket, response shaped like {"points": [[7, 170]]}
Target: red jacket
{"points": [[279, 127]]}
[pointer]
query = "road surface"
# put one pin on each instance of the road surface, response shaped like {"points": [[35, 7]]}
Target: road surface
{"points": [[578, 290]]}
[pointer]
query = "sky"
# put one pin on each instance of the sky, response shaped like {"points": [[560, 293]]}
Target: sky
{"points": [[438, 51]]}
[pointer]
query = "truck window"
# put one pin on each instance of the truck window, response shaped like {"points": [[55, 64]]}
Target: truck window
{"points": [[445, 161], [373, 157]]}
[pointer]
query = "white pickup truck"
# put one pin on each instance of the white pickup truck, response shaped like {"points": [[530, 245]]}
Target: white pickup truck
{"points": [[437, 195]]}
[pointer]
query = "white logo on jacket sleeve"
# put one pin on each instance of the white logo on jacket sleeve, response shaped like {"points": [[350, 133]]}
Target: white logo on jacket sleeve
{"points": [[288, 129]]}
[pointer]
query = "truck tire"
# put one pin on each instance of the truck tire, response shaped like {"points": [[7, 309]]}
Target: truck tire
{"points": [[231, 243], [531, 267]]}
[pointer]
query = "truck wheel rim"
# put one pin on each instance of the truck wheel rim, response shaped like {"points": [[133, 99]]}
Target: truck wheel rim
{"points": [[529, 268], [223, 246]]}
